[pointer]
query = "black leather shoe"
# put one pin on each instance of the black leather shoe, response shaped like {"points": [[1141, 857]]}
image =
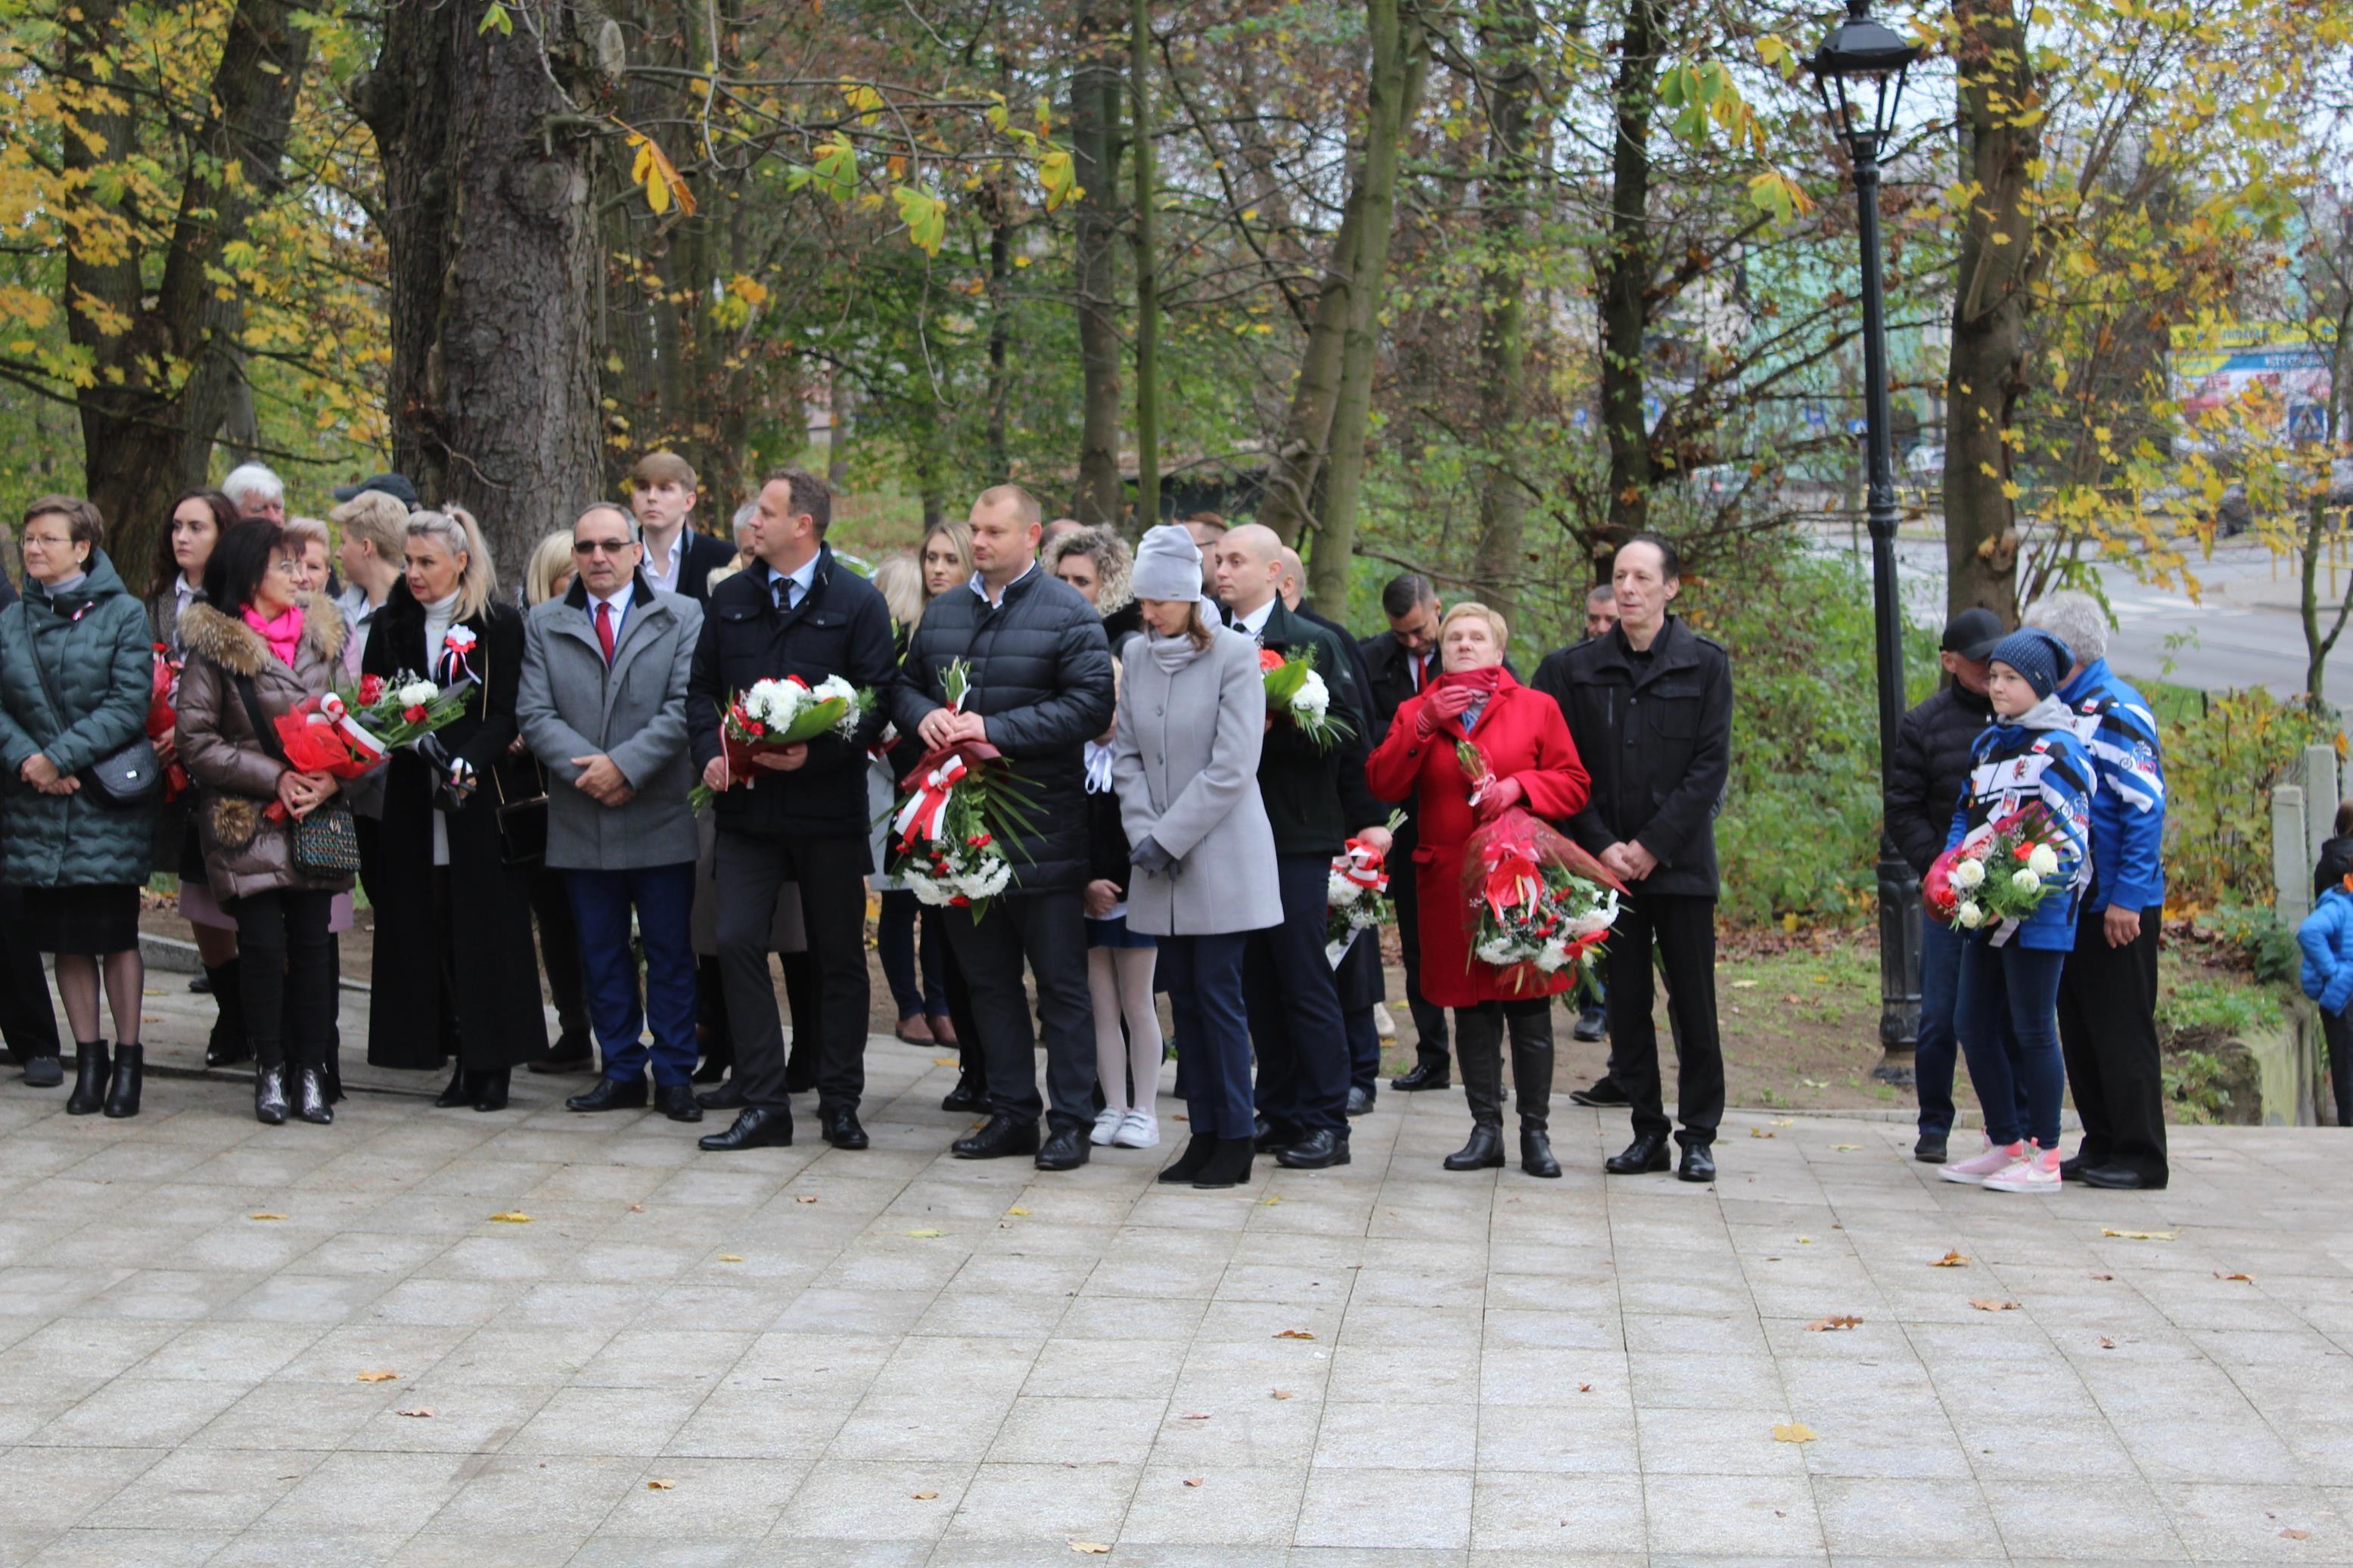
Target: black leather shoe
{"points": [[1000, 1137], [1646, 1154], [1360, 1101], [270, 1096], [1267, 1138], [2118, 1178], [966, 1096], [677, 1102], [1699, 1165], [611, 1094], [1065, 1150], [1196, 1154], [1931, 1149], [491, 1090], [1484, 1150], [1228, 1165], [1593, 1023], [756, 1127], [459, 1091], [311, 1098], [44, 1072], [728, 1096], [1320, 1150], [841, 1129], [1604, 1091], [130, 1072], [1423, 1075], [573, 1053], [1536, 1154], [2072, 1170], [92, 1066]]}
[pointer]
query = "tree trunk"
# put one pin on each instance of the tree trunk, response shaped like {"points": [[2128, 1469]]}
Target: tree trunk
{"points": [[494, 265], [169, 364], [1399, 63], [1508, 62], [1147, 286], [1626, 269], [1992, 299], [2319, 645], [1298, 470], [1094, 106]]}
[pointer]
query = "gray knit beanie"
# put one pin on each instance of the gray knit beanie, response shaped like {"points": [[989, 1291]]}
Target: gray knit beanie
{"points": [[1168, 565]]}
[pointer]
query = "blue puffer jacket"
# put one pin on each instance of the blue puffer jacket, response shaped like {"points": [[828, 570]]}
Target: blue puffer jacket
{"points": [[2034, 758], [2326, 938]]}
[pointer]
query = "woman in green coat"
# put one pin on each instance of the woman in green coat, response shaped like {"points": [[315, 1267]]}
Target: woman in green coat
{"points": [[81, 861]]}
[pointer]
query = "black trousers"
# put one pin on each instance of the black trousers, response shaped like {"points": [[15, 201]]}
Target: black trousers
{"points": [[559, 957], [1048, 930], [1294, 1007], [2107, 1032], [28, 1023], [831, 872], [1682, 927], [289, 975], [1479, 1040], [1429, 1020], [2339, 1030], [970, 1058]]}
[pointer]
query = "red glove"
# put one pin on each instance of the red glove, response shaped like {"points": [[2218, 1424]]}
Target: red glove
{"points": [[1501, 796]]}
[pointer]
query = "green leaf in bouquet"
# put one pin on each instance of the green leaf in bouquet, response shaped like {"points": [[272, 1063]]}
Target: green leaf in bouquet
{"points": [[1283, 681], [815, 719]]}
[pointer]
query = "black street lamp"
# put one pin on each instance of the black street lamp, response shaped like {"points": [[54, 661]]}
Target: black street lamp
{"points": [[1859, 71]]}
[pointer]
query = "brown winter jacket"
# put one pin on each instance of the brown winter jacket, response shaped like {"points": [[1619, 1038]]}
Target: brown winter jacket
{"points": [[237, 775]]}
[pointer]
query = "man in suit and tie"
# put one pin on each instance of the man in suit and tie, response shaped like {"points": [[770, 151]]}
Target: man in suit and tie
{"points": [[678, 559], [1402, 660], [603, 706]]}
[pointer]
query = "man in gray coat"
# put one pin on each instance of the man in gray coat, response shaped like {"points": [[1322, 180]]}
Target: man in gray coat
{"points": [[603, 706]]}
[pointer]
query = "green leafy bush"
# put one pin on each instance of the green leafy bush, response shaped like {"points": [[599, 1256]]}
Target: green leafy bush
{"points": [[2221, 762]]}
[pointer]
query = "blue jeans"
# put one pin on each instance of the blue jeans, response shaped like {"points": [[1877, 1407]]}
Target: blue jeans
{"points": [[1204, 976], [894, 944], [1931, 1064], [2019, 987], [664, 899]]}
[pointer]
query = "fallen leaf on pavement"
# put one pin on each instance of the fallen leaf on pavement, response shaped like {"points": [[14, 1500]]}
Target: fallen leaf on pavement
{"points": [[1824, 1325], [1092, 1548], [804, 1197], [379, 1377], [637, 1208], [731, 1257], [926, 1235], [1584, 1388], [1018, 1210], [2102, 1276], [265, 1216], [421, 1411], [1195, 1480], [922, 1497], [513, 1216], [2248, 1278], [1195, 1415], [1281, 1394], [1294, 1334], [1792, 1432], [1761, 1132], [2297, 1534], [1992, 1304], [660, 1486], [1271, 1199], [1950, 1260], [2106, 1343], [948, 1061], [1805, 1241], [1844, 1148], [1744, 985], [2140, 1234]]}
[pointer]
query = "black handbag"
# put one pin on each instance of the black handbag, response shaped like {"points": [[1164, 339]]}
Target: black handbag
{"points": [[523, 820], [130, 777], [326, 842]]}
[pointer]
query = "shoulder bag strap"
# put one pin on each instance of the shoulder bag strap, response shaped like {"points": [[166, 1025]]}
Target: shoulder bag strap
{"points": [[264, 731], [41, 671]]}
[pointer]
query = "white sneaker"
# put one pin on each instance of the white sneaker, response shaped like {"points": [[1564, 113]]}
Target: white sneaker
{"points": [[1137, 1130], [1996, 1159], [1106, 1128], [2038, 1172]]}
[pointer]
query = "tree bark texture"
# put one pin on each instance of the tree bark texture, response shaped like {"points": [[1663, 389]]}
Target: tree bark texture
{"points": [[1147, 287], [1095, 110], [1626, 276], [1508, 62]]}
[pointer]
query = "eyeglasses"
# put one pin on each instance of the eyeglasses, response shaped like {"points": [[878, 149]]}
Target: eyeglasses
{"points": [[46, 542], [601, 546]]}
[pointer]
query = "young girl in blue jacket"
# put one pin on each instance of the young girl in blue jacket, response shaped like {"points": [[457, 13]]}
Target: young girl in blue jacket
{"points": [[2007, 1011], [2326, 938]]}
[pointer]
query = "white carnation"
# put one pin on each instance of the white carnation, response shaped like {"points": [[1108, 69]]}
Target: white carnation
{"points": [[2043, 860], [1314, 699], [1499, 951], [2025, 880], [1970, 915], [1552, 957], [833, 686], [1965, 874], [1339, 892], [416, 693]]}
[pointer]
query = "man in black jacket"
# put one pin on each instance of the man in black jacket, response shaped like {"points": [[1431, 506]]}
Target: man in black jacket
{"points": [[1040, 689], [1400, 661], [1312, 795], [1649, 706], [1925, 775], [802, 816]]}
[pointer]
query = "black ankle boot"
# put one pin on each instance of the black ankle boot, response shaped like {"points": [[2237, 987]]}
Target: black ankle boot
{"points": [[460, 1090], [91, 1065], [967, 1095], [270, 1095], [1187, 1166], [1486, 1149], [228, 1044], [491, 1090], [1535, 1153], [311, 1098], [1229, 1166], [130, 1073]]}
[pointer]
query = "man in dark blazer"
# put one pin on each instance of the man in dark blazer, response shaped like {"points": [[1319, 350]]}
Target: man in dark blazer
{"points": [[802, 816], [1400, 661], [678, 559]]}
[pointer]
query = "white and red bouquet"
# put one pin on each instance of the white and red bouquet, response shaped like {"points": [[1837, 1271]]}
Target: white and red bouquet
{"points": [[1356, 895], [960, 809], [402, 710], [773, 715], [1539, 905], [1294, 691], [2000, 873]]}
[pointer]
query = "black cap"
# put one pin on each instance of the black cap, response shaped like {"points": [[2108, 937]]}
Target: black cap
{"points": [[397, 486], [1972, 634]]}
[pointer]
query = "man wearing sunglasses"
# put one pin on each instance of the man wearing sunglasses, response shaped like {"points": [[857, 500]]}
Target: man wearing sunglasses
{"points": [[603, 706]]}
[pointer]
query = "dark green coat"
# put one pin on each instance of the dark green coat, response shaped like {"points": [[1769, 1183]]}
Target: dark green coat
{"points": [[94, 643]]}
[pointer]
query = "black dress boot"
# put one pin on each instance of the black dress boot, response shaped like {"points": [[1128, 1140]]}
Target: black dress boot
{"points": [[1424, 1074], [1646, 1154], [311, 1098], [1532, 1078], [228, 1044], [1479, 1046], [1484, 1152], [270, 1095], [491, 1090], [969, 1093], [130, 1073], [1187, 1166], [1229, 1166], [460, 1089], [91, 1065], [1536, 1152]]}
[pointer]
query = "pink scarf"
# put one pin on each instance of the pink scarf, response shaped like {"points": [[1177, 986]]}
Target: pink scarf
{"points": [[283, 635]]}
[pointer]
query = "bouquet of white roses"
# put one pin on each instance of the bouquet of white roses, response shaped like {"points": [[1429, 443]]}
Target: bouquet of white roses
{"points": [[1294, 691], [770, 715], [2000, 875]]}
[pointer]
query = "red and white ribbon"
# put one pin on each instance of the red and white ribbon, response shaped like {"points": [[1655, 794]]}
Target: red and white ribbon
{"points": [[332, 711], [925, 813]]}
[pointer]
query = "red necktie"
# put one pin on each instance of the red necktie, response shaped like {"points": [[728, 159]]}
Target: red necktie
{"points": [[1421, 672], [605, 628]]}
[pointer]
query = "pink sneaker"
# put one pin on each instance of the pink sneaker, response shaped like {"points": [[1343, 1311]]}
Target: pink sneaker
{"points": [[1997, 1158], [2036, 1172]]}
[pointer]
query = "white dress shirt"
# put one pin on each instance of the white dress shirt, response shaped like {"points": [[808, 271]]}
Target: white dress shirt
{"points": [[663, 573]]}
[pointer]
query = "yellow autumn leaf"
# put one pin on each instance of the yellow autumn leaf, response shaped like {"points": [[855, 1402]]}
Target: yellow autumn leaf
{"points": [[926, 1235], [2140, 1234], [660, 1486], [378, 1378], [1092, 1548], [1016, 1209], [731, 1257], [512, 1216], [265, 1216], [1792, 1432]]}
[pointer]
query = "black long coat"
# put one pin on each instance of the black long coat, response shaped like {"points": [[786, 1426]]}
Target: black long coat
{"points": [[485, 947]]}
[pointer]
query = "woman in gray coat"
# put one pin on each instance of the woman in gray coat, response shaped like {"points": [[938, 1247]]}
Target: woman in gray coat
{"points": [[1192, 717], [75, 672]]}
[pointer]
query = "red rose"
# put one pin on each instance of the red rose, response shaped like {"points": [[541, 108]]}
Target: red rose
{"points": [[371, 691], [413, 715], [1268, 660]]}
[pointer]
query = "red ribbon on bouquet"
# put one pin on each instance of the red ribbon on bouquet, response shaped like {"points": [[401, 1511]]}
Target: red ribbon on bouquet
{"points": [[930, 783], [1513, 879], [320, 736]]}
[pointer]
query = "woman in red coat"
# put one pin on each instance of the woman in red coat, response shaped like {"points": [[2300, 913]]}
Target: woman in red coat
{"points": [[1534, 765]]}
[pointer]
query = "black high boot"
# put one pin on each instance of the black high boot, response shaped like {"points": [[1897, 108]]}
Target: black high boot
{"points": [[1229, 1166], [269, 1094], [491, 1090], [91, 1065], [1187, 1166], [1532, 1077], [228, 1044], [130, 1073], [460, 1090], [1479, 1049]]}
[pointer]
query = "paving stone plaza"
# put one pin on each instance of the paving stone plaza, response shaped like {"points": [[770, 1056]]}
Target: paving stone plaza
{"points": [[227, 1343]]}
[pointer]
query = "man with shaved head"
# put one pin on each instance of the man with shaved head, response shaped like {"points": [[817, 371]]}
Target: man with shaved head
{"points": [[1315, 798]]}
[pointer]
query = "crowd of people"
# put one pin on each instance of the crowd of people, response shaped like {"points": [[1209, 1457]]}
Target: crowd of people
{"points": [[1178, 833]]}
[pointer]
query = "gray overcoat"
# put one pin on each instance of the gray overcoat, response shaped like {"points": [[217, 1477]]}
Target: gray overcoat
{"points": [[571, 705], [1185, 764]]}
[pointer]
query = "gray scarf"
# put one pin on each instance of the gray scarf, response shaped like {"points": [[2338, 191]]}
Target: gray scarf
{"points": [[1173, 654]]}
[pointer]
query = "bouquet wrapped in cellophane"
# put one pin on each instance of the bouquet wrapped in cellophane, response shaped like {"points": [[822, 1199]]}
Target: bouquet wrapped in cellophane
{"points": [[959, 809], [1538, 907], [1356, 895], [771, 715], [2001, 874]]}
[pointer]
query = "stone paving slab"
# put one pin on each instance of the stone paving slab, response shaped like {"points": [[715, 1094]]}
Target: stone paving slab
{"points": [[892, 1357]]}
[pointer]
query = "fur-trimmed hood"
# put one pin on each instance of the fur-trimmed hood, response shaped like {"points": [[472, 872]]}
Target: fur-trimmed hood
{"points": [[227, 641]]}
